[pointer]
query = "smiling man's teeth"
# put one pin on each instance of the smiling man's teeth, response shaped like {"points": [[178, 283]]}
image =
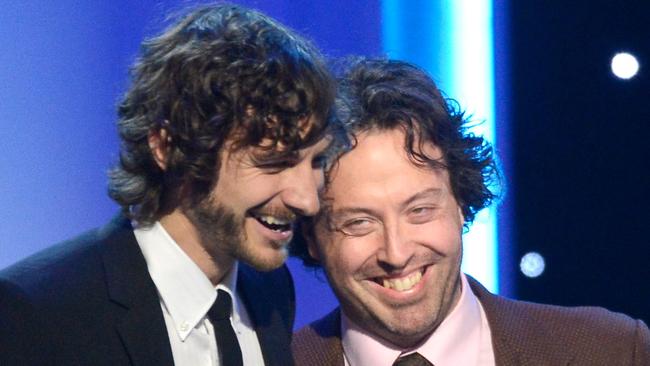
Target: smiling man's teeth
{"points": [[275, 223], [404, 283], [273, 220]]}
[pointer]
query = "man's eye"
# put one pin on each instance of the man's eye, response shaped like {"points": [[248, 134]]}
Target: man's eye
{"points": [[422, 214], [357, 223], [421, 210], [357, 227]]}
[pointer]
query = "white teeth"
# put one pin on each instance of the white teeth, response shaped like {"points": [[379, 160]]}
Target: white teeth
{"points": [[403, 284], [273, 220]]}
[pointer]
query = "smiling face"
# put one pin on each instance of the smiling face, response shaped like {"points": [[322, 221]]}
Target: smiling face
{"points": [[250, 213], [390, 239]]}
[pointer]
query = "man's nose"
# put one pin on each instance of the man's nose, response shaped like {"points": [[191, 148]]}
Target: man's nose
{"points": [[301, 189], [397, 249]]}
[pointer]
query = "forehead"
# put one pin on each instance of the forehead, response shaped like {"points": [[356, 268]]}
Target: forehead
{"points": [[379, 170], [274, 137]]}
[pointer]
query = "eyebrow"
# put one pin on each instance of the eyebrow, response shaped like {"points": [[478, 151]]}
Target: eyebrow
{"points": [[353, 210], [429, 192]]}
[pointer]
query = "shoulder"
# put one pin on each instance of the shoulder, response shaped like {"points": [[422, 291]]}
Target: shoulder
{"points": [[587, 333], [319, 343], [38, 275], [66, 272], [71, 265], [39, 293], [590, 334]]}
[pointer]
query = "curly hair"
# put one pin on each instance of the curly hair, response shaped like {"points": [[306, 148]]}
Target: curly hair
{"points": [[221, 73], [379, 94]]}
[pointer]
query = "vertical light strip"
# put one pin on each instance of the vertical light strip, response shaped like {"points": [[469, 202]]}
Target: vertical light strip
{"points": [[473, 86], [452, 40]]}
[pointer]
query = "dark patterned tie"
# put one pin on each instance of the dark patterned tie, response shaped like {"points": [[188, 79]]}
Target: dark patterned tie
{"points": [[219, 314], [414, 359]]}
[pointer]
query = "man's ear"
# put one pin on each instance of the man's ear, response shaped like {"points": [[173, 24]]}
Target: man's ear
{"points": [[159, 141]]}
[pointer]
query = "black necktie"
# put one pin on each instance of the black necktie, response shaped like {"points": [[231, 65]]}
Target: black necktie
{"points": [[219, 314], [414, 359]]}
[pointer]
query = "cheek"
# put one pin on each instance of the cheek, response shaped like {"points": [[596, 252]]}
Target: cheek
{"points": [[255, 191], [441, 238], [348, 255]]}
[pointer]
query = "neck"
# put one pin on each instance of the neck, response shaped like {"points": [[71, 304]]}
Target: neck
{"points": [[216, 265]]}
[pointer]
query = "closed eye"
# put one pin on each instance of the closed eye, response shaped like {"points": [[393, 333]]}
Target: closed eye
{"points": [[422, 214], [357, 226], [357, 223]]}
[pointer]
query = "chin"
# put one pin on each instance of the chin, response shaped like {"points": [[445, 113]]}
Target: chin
{"points": [[405, 335], [405, 328], [264, 259]]}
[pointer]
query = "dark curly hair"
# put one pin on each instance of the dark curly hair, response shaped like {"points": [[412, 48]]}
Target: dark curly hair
{"points": [[222, 72], [379, 94]]}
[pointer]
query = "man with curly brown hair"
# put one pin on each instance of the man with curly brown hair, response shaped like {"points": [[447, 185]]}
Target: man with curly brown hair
{"points": [[389, 238], [225, 132]]}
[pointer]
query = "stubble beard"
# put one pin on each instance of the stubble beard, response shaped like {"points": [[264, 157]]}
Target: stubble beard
{"points": [[222, 234]]}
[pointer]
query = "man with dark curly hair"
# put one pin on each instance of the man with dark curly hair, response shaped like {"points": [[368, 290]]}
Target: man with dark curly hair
{"points": [[389, 239], [225, 132]]}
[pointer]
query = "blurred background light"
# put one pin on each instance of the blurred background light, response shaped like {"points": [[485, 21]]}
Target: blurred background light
{"points": [[625, 65], [532, 264]]}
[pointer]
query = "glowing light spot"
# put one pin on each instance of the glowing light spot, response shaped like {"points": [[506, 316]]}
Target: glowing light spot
{"points": [[624, 65], [532, 264]]}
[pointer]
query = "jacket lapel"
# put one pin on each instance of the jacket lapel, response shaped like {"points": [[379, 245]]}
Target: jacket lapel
{"points": [[260, 295], [319, 343], [142, 326], [518, 337], [330, 331]]}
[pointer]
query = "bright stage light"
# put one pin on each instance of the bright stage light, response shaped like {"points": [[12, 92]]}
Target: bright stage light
{"points": [[624, 65], [532, 264]]}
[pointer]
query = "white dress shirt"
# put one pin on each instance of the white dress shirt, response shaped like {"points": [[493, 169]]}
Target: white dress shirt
{"points": [[186, 294], [463, 338]]}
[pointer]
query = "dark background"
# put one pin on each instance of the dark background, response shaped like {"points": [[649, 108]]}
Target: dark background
{"points": [[580, 152]]}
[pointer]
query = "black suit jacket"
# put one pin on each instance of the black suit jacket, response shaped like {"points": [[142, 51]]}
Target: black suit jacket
{"points": [[91, 301], [523, 334]]}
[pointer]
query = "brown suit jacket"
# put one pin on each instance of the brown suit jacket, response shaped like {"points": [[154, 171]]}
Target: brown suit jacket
{"points": [[522, 334]]}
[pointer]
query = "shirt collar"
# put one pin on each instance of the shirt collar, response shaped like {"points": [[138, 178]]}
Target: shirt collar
{"points": [[184, 290], [454, 342]]}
